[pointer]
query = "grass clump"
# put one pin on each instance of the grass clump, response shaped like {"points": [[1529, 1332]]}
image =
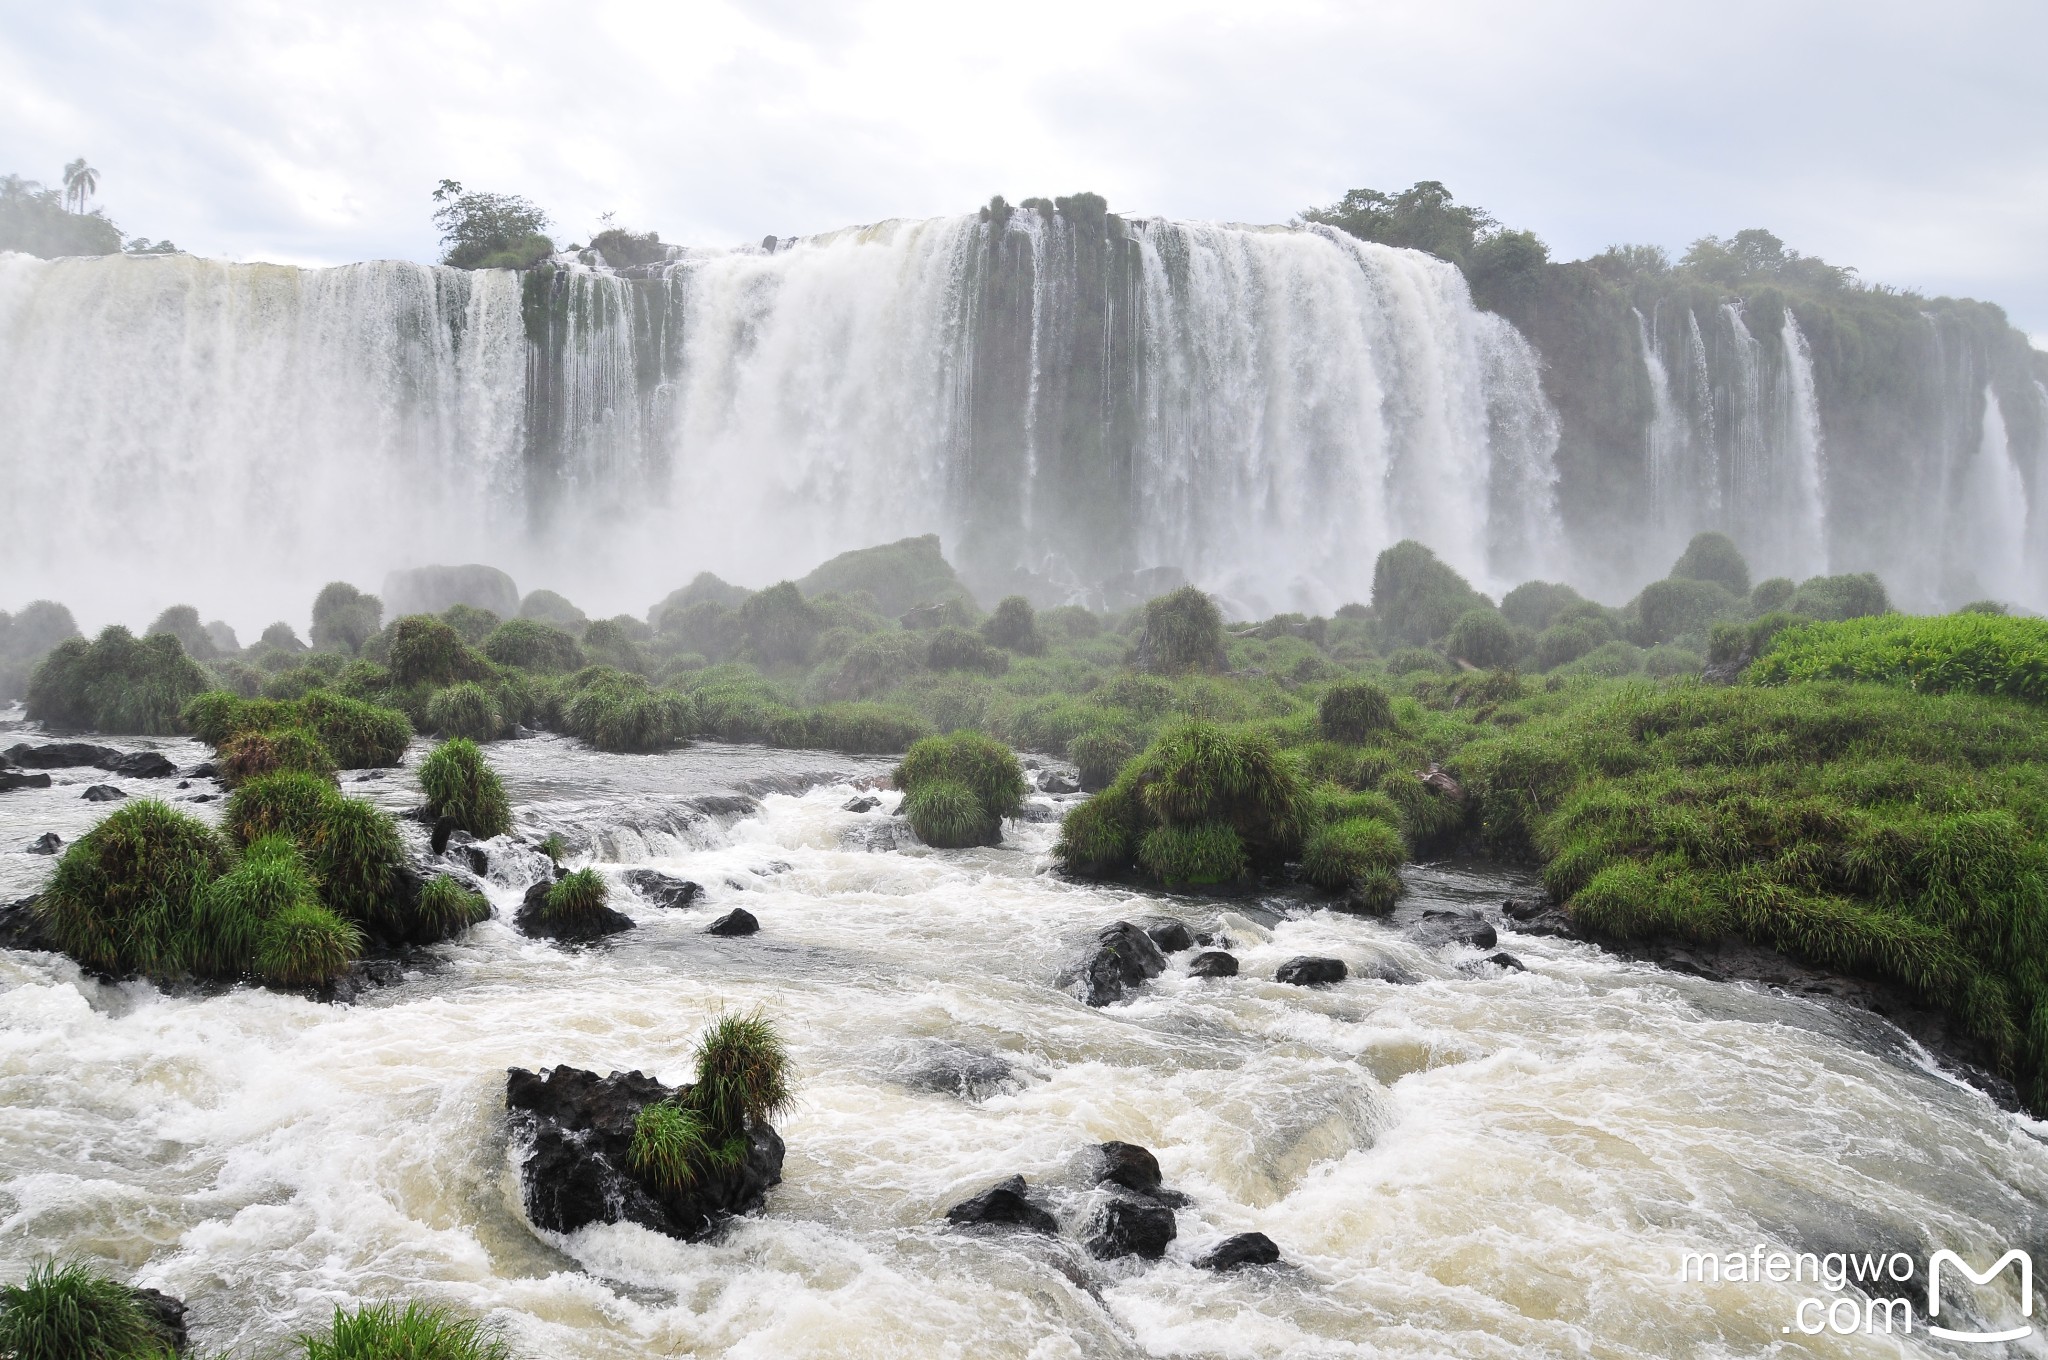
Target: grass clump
{"points": [[534, 645], [671, 1145], [576, 897], [1205, 854], [306, 945], [958, 788], [743, 1073], [448, 908], [249, 755], [361, 735], [467, 710], [233, 914], [72, 1312], [1355, 711], [1713, 557], [1341, 854], [1183, 632], [419, 1331], [1099, 755], [288, 803], [116, 683], [460, 783], [1481, 637], [427, 651], [124, 896], [1416, 598], [1955, 653], [616, 710]]}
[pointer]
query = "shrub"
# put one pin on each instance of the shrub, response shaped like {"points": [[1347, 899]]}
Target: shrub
{"points": [[280, 637], [361, 735], [1014, 627], [982, 766], [1667, 610], [1713, 557], [471, 624], [671, 1145], [743, 1073], [181, 621], [1417, 598], [1199, 854], [1955, 653], [420, 1332], [575, 898], [616, 642], [426, 651], [1666, 661], [248, 755], [1098, 755], [116, 683], [306, 945], [124, 895], [899, 575], [1355, 712], [294, 683], [706, 627], [1610, 660], [284, 804], [1768, 596], [616, 711], [460, 784], [545, 606], [534, 645], [1563, 643], [1096, 838], [956, 649], [1183, 632], [779, 625], [72, 1312], [1343, 853], [355, 851], [217, 715], [344, 618], [242, 680], [228, 927], [945, 814], [1840, 597], [467, 710], [1481, 637], [1411, 660], [1535, 605], [447, 908]]}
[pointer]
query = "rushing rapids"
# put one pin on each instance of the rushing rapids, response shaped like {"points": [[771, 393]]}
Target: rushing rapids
{"points": [[1477, 1162]]}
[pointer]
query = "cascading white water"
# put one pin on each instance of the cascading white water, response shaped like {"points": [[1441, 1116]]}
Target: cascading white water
{"points": [[1805, 545], [1707, 476], [1992, 544], [182, 429]]}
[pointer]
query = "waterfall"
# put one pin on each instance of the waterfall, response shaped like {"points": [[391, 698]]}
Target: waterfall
{"points": [[1061, 394], [1706, 477], [1802, 482], [1992, 544], [1664, 442]]}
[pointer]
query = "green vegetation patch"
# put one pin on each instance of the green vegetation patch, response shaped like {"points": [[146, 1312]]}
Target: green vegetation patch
{"points": [[959, 787], [72, 1312], [1950, 654], [384, 1331], [460, 784]]}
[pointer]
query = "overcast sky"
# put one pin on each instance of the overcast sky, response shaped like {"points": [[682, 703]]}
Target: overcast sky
{"points": [[1909, 140]]}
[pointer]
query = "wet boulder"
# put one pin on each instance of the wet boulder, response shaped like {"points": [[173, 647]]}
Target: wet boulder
{"points": [[1005, 1204], [1121, 959], [60, 755], [49, 843], [591, 923], [576, 1129], [956, 1070], [166, 1317], [1127, 1164], [738, 921], [103, 793], [1438, 929], [15, 779], [1170, 935], [139, 765], [22, 928], [1127, 1224], [662, 890], [1309, 971], [1213, 963], [1240, 1250], [864, 802]]}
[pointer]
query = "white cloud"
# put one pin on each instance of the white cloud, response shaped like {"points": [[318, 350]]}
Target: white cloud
{"points": [[1899, 138]]}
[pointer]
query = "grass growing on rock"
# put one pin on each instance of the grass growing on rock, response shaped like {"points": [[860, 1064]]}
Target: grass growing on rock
{"points": [[743, 1073], [72, 1312], [672, 1144], [460, 784], [447, 907], [958, 788], [467, 710], [576, 897], [384, 1331]]}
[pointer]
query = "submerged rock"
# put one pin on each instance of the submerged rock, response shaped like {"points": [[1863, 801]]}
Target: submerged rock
{"points": [[1122, 958], [532, 920], [1240, 1250], [103, 793], [861, 803], [1311, 972], [49, 843], [1440, 928], [1004, 1204], [578, 1132], [956, 1070], [15, 779], [738, 921], [60, 755], [1213, 963], [662, 890], [140, 765]]}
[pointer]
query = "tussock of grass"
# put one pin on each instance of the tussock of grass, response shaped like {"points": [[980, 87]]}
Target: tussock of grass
{"points": [[227, 930], [1343, 853], [306, 945], [460, 783], [123, 897], [576, 897], [743, 1073], [248, 755], [959, 787], [1202, 854], [446, 907], [417, 1332], [671, 1144], [466, 710], [945, 814], [71, 1312]]}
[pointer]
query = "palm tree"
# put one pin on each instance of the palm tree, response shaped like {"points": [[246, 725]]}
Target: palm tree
{"points": [[80, 180]]}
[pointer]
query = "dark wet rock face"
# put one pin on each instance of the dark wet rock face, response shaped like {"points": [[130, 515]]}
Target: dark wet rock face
{"points": [[1380, 968], [1122, 958], [1311, 972], [140, 765], [532, 919], [1004, 1204], [1170, 935], [1129, 1165], [166, 1315], [956, 1070], [1213, 963], [738, 921], [1438, 929], [662, 890], [21, 928], [103, 793], [15, 779], [61, 755], [49, 843], [361, 978], [1244, 1249], [862, 803], [1127, 1224], [578, 1131]]}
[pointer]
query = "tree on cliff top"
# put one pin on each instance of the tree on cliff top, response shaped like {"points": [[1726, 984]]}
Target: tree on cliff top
{"points": [[490, 231]]}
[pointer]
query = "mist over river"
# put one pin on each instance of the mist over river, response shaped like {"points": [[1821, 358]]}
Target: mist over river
{"points": [[1478, 1163]]}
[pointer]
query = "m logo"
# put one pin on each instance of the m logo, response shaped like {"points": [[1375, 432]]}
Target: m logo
{"points": [[1934, 1265]]}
